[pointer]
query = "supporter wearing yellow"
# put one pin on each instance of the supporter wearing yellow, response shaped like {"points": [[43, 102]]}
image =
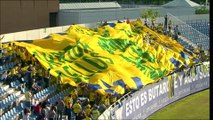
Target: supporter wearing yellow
{"points": [[112, 99], [105, 100], [24, 69], [39, 71], [74, 94], [77, 107], [23, 55], [80, 90], [88, 118], [14, 71], [7, 53], [18, 51], [47, 78], [9, 49], [92, 97], [28, 96], [95, 113], [68, 101], [88, 110], [59, 81], [33, 59], [28, 57], [33, 71]]}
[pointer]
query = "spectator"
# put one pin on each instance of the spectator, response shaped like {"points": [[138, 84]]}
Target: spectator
{"points": [[77, 108], [88, 117], [4, 76], [29, 76], [34, 72], [33, 59], [95, 112], [19, 71], [14, 71], [105, 23], [51, 113], [68, 106], [13, 52], [35, 87], [9, 53], [81, 116], [160, 28], [176, 32], [127, 21], [59, 81], [119, 21], [165, 23], [39, 73], [92, 97], [33, 104], [47, 78], [113, 98], [170, 25], [28, 97], [153, 23], [88, 110], [145, 23], [23, 88], [81, 90], [105, 100], [43, 111], [60, 108], [26, 114], [74, 95], [37, 109]]}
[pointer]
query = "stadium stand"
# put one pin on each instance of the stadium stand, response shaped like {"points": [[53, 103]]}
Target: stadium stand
{"points": [[13, 98]]}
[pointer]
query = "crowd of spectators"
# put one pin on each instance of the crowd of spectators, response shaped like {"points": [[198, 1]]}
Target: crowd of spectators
{"points": [[82, 103]]}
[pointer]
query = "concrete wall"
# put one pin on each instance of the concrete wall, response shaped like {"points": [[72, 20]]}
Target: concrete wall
{"points": [[19, 15], [38, 33], [90, 16], [67, 17]]}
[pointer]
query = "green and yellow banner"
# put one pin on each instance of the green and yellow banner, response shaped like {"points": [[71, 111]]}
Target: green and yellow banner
{"points": [[110, 59]]}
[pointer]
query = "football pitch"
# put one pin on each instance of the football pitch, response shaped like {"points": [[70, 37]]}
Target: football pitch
{"points": [[195, 106]]}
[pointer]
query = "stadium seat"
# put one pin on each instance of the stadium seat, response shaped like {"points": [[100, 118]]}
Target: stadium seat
{"points": [[1, 68]]}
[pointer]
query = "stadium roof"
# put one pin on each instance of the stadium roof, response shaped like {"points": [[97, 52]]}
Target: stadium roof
{"points": [[181, 3], [92, 5]]}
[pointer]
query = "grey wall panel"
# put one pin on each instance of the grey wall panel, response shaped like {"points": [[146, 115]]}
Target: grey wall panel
{"points": [[91, 16], [67, 17]]}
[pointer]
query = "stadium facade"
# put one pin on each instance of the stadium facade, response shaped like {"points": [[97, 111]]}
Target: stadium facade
{"points": [[19, 15]]}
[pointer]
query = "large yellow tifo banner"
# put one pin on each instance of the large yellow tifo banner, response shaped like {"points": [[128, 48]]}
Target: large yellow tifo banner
{"points": [[110, 59]]}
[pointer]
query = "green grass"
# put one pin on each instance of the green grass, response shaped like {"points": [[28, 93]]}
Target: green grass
{"points": [[192, 107]]}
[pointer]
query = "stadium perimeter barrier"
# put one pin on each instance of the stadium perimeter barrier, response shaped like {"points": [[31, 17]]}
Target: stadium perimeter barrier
{"points": [[38, 33], [142, 103], [42, 33]]}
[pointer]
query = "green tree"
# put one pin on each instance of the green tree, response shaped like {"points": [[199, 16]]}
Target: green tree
{"points": [[150, 13]]}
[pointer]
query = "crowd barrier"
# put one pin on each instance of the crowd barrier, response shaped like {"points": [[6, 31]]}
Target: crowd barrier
{"points": [[143, 103]]}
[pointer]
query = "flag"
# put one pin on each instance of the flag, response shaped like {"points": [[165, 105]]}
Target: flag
{"points": [[109, 59]]}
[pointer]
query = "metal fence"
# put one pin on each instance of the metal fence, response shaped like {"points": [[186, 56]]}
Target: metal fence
{"points": [[189, 31]]}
